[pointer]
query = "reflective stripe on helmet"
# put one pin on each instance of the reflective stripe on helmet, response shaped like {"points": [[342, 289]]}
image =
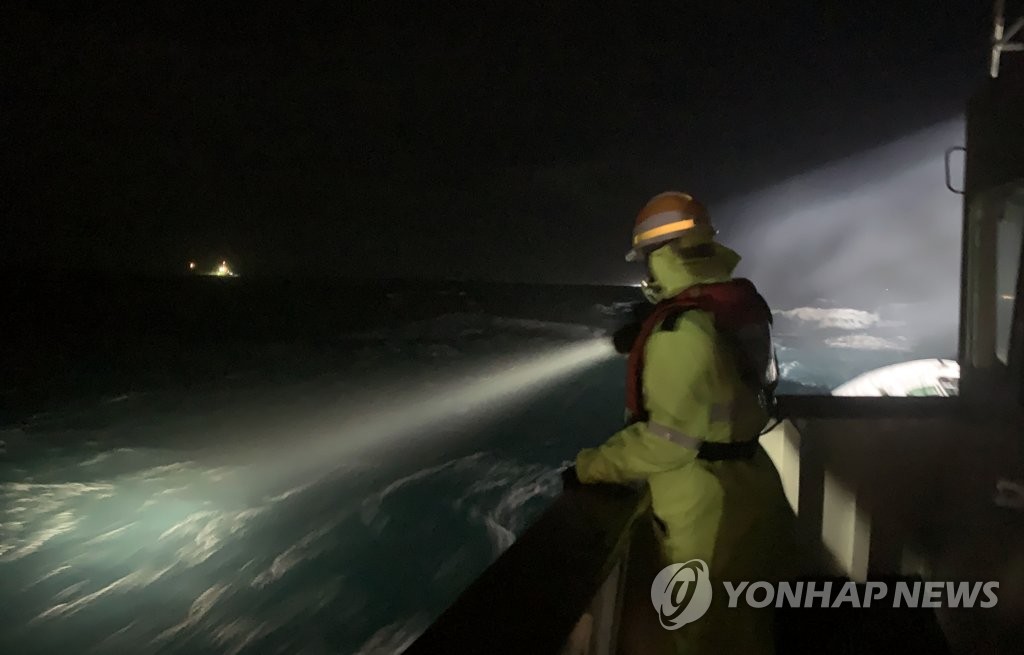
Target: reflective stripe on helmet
{"points": [[677, 226], [657, 229], [665, 217], [662, 218]]}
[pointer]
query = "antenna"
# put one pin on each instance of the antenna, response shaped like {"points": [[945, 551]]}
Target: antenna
{"points": [[1002, 37]]}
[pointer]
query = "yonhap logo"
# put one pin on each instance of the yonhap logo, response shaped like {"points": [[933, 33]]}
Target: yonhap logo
{"points": [[681, 593]]}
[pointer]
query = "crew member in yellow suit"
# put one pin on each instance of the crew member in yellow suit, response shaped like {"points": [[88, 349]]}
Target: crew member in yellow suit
{"points": [[731, 513]]}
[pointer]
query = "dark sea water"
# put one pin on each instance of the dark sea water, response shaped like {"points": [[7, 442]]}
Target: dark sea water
{"points": [[228, 466]]}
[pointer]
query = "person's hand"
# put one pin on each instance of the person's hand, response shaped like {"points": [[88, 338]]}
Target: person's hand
{"points": [[569, 478], [624, 338]]}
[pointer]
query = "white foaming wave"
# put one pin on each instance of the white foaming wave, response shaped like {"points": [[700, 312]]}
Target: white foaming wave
{"points": [[182, 544], [787, 369], [394, 637], [157, 472], [239, 633], [209, 531], [868, 342], [34, 514], [134, 580], [110, 534], [288, 493], [117, 641], [503, 517], [825, 317], [615, 308], [54, 572], [117, 399], [235, 635], [306, 548], [508, 516], [96, 460], [200, 607], [104, 456], [371, 504], [70, 590], [57, 525], [501, 537]]}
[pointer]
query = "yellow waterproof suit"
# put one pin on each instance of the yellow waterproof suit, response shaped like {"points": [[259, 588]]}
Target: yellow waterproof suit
{"points": [[732, 514]]}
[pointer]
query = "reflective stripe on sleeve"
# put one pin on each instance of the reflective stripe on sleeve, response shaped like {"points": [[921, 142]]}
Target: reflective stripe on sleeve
{"points": [[675, 436]]}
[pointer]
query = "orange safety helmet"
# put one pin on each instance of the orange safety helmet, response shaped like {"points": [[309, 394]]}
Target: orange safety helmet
{"points": [[668, 216]]}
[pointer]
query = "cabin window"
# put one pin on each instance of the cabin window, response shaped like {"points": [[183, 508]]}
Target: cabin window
{"points": [[860, 260], [1009, 231]]}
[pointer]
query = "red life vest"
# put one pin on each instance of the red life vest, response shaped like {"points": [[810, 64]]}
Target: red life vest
{"points": [[739, 311]]}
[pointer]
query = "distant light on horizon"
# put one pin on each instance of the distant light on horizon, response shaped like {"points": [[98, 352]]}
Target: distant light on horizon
{"points": [[223, 269]]}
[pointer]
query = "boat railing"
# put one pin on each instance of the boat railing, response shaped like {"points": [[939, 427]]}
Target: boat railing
{"points": [[564, 586]]}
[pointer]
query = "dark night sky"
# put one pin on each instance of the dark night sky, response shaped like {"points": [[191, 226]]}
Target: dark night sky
{"points": [[510, 140]]}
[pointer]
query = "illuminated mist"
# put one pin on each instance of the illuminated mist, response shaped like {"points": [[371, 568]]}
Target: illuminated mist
{"points": [[398, 420], [878, 230]]}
